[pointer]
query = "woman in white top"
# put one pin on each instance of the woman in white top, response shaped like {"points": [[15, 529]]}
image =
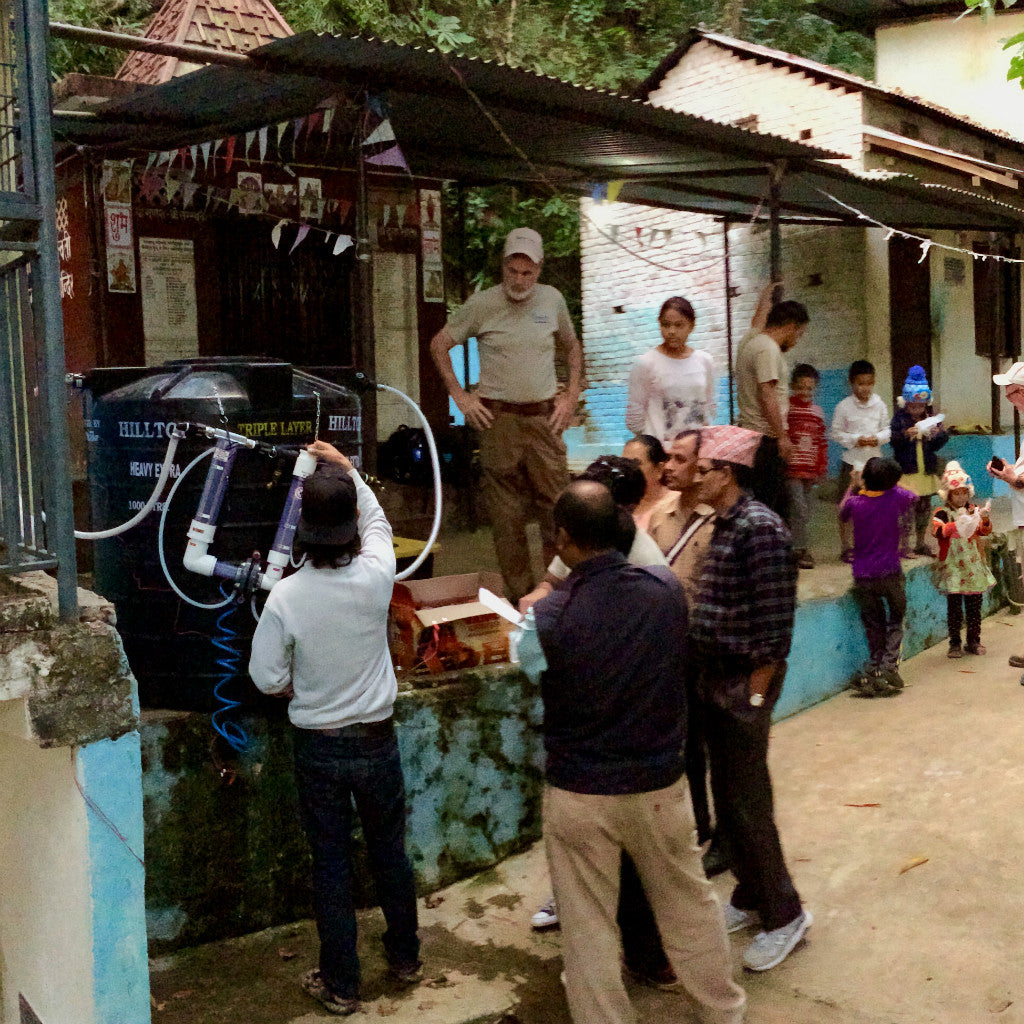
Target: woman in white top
{"points": [[623, 478], [650, 455], [672, 387]]}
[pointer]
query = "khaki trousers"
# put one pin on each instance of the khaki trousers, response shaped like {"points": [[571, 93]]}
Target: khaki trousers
{"points": [[584, 836], [524, 470]]}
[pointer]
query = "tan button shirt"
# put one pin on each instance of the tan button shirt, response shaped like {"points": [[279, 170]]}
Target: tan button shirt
{"points": [[516, 341], [668, 523]]}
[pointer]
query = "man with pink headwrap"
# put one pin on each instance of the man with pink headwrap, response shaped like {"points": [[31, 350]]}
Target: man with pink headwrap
{"points": [[741, 628]]}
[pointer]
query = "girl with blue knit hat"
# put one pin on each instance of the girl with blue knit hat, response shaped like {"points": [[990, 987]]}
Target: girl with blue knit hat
{"points": [[916, 436]]}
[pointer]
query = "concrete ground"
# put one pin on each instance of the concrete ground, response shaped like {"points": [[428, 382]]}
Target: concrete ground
{"points": [[901, 820]]}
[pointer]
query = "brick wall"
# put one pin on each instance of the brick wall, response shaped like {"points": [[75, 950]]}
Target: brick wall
{"points": [[634, 257]]}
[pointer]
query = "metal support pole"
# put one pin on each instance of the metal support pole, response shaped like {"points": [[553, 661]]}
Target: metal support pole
{"points": [[32, 17], [463, 279], [190, 52], [775, 176], [365, 355], [728, 319]]}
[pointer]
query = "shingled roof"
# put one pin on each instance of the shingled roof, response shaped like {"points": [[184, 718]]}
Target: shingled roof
{"points": [[235, 26]]}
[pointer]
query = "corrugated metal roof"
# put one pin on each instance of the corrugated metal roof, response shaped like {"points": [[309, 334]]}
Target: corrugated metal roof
{"points": [[235, 26], [822, 73], [569, 135]]}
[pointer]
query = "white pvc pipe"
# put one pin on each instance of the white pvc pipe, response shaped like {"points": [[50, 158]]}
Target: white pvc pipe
{"points": [[160, 538], [165, 470], [436, 466]]}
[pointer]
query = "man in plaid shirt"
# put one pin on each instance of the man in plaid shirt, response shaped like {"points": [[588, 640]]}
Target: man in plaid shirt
{"points": [[741, 626]]}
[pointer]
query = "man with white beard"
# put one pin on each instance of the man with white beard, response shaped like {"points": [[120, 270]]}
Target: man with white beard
{"points": [[515, 408]]}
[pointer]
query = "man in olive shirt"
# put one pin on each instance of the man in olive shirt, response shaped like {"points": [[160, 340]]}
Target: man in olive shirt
{"points": [[515, 408], [762, 393]]}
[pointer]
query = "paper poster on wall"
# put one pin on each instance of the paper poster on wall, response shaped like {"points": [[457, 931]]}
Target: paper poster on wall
{"points": [[430, 245], [250, 189], [168, 274], [117, 219], [311, 206]]}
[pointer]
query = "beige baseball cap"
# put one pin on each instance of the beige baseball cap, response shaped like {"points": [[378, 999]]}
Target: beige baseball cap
{"points": [[524, 242], [1014, 375]]}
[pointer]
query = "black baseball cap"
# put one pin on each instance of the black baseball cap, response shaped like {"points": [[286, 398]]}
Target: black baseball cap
{"points": [[329, 511]]}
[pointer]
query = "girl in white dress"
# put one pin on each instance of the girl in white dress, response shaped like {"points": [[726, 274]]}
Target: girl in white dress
{"points": [[672, 387]]}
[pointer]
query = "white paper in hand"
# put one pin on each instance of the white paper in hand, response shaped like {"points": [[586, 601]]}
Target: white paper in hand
{"points": [[499, 606]]}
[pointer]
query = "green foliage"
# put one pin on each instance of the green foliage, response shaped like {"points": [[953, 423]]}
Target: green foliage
{"points": [[113, 15]]}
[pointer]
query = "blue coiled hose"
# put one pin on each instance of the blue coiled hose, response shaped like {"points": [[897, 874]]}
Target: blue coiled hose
{"points": [[223, 640]]}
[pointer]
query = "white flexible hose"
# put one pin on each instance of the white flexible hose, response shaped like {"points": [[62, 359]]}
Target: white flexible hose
{"points": [[436, 466], [165, 470], [160, 538]]}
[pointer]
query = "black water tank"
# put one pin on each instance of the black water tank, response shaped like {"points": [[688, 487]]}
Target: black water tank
{"points": [[168, 642]]}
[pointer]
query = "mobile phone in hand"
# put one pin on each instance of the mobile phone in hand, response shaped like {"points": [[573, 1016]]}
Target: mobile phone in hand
{"points": [[997, 463]]}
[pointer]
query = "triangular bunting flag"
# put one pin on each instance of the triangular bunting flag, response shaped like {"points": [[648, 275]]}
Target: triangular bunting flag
{"points": [[172, 186], [328, 118], [150, 160], [314, 121], [263, 144], [342, 243], [188, 193], [275, 234], [382, 133], [216, 146], [303, 231], [205, 149], [280, 135], [229, 154], [389, 158], [250, 138], [614, 188], [194, 153], [299, 122], [163, 158]]}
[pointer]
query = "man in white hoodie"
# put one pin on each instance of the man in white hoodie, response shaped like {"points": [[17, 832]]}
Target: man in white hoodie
{"points": [[322, 642]]}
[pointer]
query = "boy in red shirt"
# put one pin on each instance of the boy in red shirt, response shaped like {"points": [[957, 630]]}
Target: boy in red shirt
{"points": [[807, 432]]}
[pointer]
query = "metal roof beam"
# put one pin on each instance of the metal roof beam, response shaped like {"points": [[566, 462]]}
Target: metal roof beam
{"points": [[191, 52]]}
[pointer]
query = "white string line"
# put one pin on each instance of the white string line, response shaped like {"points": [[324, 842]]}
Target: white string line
{"points": [[926, 243]]}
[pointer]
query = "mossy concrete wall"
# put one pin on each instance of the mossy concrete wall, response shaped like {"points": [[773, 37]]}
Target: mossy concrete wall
{"points": [[226, 854]]}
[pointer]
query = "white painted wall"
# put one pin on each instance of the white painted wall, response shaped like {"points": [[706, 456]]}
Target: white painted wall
{"points": [[45, 910], [960, 65]]}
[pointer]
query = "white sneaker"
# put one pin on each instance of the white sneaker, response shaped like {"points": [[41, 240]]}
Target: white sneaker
{"points": [[769, 949], [546, 916], [736, 919]]}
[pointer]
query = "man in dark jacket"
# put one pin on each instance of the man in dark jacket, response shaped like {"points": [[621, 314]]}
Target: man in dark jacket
{"points": [[608, 649]]}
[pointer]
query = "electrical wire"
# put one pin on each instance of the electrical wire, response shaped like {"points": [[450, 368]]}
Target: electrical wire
{"points": [[97, 810], [160, 537], [236, 737], [165, 470], [435, 464]]}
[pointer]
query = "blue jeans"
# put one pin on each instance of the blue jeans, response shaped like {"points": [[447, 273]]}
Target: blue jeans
{"points": [[333, 773]]}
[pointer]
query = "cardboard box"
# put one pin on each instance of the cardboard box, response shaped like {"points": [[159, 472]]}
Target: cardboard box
{"points": [[440, 623]]}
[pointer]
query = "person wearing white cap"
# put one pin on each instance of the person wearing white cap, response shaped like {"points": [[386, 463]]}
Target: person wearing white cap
{"points": [[518, 325], [1013, 381]]}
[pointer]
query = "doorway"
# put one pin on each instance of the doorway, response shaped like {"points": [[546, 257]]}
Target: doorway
{"points": [[910, 316]]}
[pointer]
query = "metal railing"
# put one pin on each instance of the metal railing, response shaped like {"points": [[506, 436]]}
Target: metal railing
{"points": [[36, 524]]}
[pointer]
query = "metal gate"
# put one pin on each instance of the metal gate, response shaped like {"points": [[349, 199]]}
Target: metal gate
{"points": [[36, 526]]}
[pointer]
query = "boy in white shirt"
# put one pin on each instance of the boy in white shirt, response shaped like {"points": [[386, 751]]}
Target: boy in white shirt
{"points": [[860, 424]]}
